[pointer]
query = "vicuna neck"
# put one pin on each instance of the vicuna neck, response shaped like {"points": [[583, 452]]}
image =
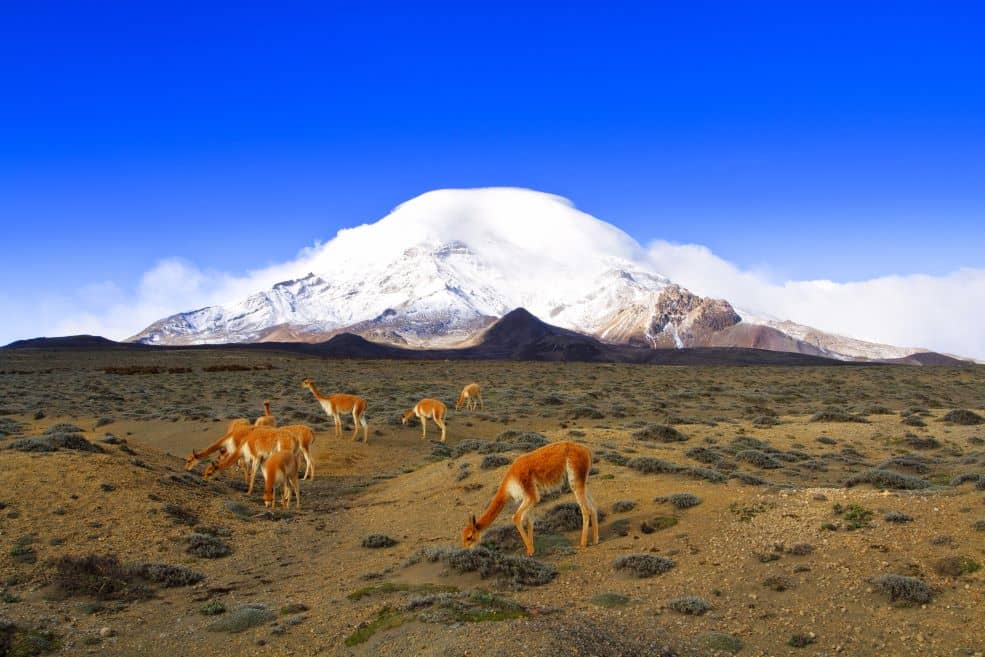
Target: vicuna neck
{"points": [[494, 508]]}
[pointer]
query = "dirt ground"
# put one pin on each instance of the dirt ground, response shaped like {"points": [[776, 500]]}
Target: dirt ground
{"points": [[797, 474]]}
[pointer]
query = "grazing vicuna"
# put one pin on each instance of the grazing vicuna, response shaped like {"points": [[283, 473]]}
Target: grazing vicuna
{"points": [[428, 408], [225, 444], [470, 397], [335, 405], [531, 475], [281, 469], [253, 445], [266, 420]]}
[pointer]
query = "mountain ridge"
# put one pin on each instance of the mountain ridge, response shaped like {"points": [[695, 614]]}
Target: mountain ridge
{"points": [[443, 267]]}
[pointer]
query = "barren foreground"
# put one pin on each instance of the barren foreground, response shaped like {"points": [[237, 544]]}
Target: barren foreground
{"points": [[772, 510]]}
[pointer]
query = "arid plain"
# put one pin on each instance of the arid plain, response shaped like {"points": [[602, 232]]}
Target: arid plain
{"points": [[764, 510]]}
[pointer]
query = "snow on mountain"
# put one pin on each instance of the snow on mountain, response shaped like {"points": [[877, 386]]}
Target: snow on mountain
{"points": [[442, 266]]}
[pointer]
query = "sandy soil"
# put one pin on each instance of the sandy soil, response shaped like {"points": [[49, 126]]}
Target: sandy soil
{"points": [[734, 549]]}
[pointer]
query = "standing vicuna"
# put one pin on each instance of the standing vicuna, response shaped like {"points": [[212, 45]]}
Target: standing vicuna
{"points": [[428, 408], [266, 420], [335, 405], [530, 476], [471, 395]]}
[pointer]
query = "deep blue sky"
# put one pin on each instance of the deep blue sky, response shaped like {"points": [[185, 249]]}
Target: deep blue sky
{"points": [[836, 141]]}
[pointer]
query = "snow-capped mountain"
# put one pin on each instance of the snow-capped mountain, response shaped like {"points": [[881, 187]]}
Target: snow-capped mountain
{"points": [[443, 266]]}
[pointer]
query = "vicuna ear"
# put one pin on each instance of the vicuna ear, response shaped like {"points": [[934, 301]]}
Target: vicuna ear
{"points": [[472, 520]]}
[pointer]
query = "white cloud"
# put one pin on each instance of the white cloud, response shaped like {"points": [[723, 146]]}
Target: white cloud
{"points": [[942, 313]]}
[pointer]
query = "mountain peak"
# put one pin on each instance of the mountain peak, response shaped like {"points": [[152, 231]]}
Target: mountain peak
{"points": [[448, 268]]}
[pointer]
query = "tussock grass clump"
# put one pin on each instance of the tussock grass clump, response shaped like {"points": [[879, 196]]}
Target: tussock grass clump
{"points": [[956, 566], [103, 577], [387, 588], [474, 607], [10, 426], [740, 443], [650, 465], [707, 474], [622, 506], [918, 442], [855, 516], [213, 608], [963, 417], [904, 590], [887, 479], [779, 583], [765, 421], [524, 441], [704, 455], [62, 427], [897, 517], [492, 461], [207, 546], [643, 565], [613, 457], [376, 541], [518, 570], [586, 412], [836, 416], [978, 478], [166, 575], [243, 618], [680, 500], [237, 509], [911, 462], [564, 517], [658, 523], [180, 515], [99, 576], [800, 549], [502, 538], [610, 600], [749, 479], [721, 641], [51, 442], [660, 433], [689, 605], [826, 440], [758, 459]]}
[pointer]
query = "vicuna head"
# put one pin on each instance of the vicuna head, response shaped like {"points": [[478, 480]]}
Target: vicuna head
{"points": [[470, 535], [408, 415]]}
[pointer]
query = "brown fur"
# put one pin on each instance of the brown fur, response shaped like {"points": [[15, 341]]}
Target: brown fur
{"points": [[281, 469], [471, 395], [335, 405], [532, 474], [253, 445], [266, 420], [192, 460], [428, 408]]}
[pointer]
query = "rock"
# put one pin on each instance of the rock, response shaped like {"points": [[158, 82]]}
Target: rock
{"points": [[106, 632]]}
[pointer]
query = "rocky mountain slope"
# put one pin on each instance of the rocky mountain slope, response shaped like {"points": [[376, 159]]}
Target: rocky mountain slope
{"points": [[444, 266]]}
